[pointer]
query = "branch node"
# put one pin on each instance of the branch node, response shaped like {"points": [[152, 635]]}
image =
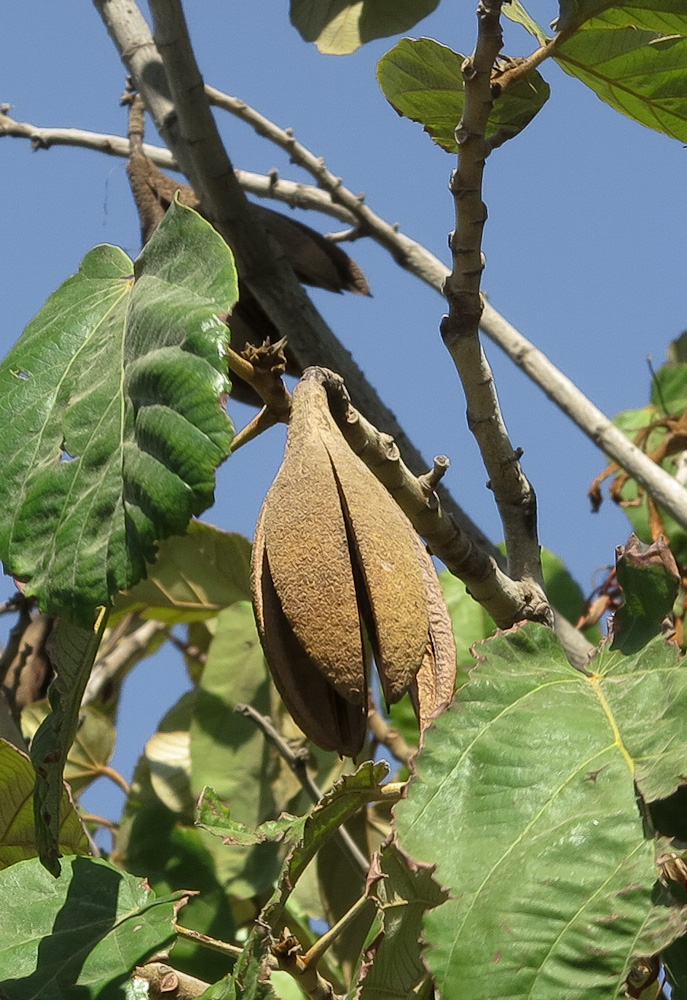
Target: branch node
{"points": [[431, 479]]}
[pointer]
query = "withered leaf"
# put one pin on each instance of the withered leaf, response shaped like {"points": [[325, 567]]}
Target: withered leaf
{"points": [[432, 689]]}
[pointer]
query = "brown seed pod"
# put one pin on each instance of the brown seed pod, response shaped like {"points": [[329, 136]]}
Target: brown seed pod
{"points": [[335, 558]]}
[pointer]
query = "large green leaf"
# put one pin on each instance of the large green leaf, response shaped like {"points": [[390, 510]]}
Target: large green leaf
{"points": [[341, 26], [111, 412], [79, 935], [228, 751], [660, 15], [423, 80], [17, 834], [193, 577], [633, 55], [525, 799], [72, 651]]}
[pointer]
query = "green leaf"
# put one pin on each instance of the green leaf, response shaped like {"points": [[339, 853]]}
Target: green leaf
{"points": [[17, 835], [516, 12], [194, 576], [405, 892], [173, 856], [215, 817], [649, 578], [72, 650], [423, 80], [660, 15], [535, 772], [112, 416], [633, 55], [91, 751], [341, 26], [79, 935], [228, 751], [342, 801]]}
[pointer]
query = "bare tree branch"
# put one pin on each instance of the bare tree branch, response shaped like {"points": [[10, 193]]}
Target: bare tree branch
{"points": [[292, 193], [410, 255], [266, 272], [507, 601], [515, 498], [423, 264]]}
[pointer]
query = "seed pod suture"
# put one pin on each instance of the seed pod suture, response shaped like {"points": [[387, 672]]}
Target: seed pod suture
{"points": [[335, 560]]}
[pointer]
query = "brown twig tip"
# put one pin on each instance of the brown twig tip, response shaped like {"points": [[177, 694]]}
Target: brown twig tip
{"points": [[431, 479]]}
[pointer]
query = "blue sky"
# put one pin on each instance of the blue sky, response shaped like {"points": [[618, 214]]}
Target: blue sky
{"points": [[585, 248]]}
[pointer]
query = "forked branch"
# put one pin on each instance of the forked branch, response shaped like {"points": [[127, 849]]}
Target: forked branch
{"points": [[269, 277], [410, 255]]}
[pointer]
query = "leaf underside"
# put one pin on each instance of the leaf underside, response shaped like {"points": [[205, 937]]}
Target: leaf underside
{"points": [[423, 81], [633, 56], [17, 834], [341, 26]]}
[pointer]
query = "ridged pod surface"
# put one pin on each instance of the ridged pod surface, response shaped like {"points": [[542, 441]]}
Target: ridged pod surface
{"points": [[334, 559]]}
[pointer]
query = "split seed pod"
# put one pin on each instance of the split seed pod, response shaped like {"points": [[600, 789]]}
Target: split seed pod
{"points": [[335, 560]]}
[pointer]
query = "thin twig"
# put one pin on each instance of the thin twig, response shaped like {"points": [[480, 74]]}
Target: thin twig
{"points": [[525, 66], [405, 252], [389, 737], [314, 954], [118, 779], [166, 983], [107, 824], [298, 764], [109, 666], [214, 944], [260, 423], [295, 194]]}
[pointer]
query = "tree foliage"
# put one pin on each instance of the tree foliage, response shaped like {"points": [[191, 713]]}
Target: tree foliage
{"points": [[289, 829]]}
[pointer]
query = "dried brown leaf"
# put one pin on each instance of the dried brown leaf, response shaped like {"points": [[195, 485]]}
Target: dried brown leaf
{"points": [[434, 684]]}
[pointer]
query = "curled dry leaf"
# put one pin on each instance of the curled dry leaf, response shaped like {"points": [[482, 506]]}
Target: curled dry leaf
{"points": [[337, 569]]}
